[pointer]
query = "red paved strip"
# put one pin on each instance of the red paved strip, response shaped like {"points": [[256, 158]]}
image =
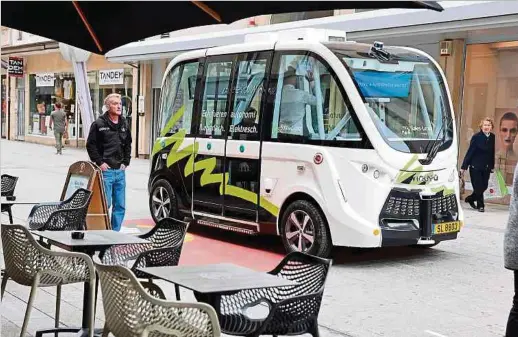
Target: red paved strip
{"points": [[206, 246]]}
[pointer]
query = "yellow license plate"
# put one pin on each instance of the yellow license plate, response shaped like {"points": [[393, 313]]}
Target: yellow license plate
{"points": [[446, 227]]}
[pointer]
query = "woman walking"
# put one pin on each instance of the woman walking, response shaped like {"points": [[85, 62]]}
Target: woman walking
{"points": [[511, 255], [480, 159]]}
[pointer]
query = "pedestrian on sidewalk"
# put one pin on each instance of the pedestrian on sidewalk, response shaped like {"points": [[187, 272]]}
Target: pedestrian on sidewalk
{"points": [[58, 122], [109, 146], [511, 255], [480, 159]]}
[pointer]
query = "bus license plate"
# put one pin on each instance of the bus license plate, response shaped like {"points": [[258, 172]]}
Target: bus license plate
{"points": [[446, 227]]}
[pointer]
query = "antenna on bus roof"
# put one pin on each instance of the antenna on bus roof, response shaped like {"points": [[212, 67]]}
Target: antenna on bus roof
{"points": [[301, 34]]}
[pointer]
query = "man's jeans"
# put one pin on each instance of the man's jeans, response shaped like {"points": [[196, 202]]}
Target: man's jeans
{"points": [[115, 190]]}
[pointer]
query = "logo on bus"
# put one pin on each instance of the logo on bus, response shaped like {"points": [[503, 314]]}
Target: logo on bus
{"points": [[425, 178]]}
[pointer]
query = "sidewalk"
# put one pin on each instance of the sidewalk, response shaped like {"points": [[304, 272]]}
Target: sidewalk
{"points": [[458, 289]]}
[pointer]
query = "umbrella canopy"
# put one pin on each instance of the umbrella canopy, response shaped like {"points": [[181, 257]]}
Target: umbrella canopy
{"points": [[100, 26]]}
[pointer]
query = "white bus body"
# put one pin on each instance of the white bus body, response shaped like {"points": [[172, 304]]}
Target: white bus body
{"points": [[323, 143]]}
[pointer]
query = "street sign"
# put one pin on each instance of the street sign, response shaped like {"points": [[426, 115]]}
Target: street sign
{"points": [[15, 67]]}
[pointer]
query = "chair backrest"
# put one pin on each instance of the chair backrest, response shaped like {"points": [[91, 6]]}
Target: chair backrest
{"points": [[75, 220], [8, 184], [167, 233], [80, 198], [128, 309], [310, 272], [20, 253]]}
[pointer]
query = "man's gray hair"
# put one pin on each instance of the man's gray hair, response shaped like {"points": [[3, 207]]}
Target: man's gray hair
{"points": [[109, 97]]}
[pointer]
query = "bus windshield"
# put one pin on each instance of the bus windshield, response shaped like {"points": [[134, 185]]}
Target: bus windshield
{"points": [[404, 94]]}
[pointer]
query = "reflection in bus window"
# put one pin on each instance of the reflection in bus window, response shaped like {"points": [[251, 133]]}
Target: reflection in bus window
{"points": [[175, 97], [309, 103], [244, 116], [214, 101]]}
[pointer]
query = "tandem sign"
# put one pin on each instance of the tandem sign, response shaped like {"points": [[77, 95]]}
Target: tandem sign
{"points": [[111, 77], [15, 67]]}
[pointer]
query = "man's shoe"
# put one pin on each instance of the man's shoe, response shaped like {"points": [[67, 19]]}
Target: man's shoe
{"points": [[472, 204], [481, 209]]}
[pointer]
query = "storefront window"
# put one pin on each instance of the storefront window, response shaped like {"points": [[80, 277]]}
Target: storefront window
{"points": [[491, 89], [104, 82], [46, 89], [49, 88]]}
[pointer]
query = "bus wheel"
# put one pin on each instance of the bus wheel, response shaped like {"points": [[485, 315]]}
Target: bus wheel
{"points": [[303, 228], [162, 200]]}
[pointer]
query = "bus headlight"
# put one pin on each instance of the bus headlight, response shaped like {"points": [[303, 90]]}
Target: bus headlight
{"points": [[376, 174]]}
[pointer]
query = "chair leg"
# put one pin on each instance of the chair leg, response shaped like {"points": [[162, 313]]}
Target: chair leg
{"points": [[35, 284], [58, 308], [4, 283], [92, 305], [10, 216], [177, 291], [106, 331], [314, 330]]}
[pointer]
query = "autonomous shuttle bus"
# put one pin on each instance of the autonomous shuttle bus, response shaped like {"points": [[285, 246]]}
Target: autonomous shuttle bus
{"points": [[304, 135]]}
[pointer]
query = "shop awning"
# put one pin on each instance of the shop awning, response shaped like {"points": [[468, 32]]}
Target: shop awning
{"points": [[100, 26], [376, 24]]}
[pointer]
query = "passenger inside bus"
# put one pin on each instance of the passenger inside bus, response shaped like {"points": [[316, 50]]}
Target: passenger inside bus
{"points": [[293, 104]]}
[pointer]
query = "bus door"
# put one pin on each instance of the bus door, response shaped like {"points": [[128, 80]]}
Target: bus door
{"points": [[243, 147], [213, 109]]}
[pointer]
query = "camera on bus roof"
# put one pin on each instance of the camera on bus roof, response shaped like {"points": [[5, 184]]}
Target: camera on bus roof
{"points": [[378, 45]]}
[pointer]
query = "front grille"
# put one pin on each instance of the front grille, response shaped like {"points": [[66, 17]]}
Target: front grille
{"points": [[403, 204], [444, 204]]}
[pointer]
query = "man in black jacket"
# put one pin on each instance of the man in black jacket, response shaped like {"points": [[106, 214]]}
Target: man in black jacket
{"points": [[480, 159], [109, 146]]}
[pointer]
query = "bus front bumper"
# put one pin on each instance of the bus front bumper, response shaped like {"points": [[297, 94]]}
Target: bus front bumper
{"points": [[401, 237]]}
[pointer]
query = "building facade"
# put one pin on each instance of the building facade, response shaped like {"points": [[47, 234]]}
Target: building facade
{"points": [[46, 78]]}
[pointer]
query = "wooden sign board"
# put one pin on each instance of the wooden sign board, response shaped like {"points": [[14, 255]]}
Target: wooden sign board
{"points": [[87, 175]]}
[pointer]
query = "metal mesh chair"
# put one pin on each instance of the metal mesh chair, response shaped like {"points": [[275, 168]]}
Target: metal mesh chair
{"points": [[69, 214], [130, 311], [30, 264], [292, 310], [8, 186], [167, 237]]}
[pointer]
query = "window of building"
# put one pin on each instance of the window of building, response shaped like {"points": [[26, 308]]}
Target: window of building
{"points": [[45, 90], [215, 99], [177, 99], [309, 103], [491, 90]]}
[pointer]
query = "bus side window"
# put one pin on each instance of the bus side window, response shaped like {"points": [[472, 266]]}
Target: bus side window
{"points": [[309, 103], [244, 116], [215, 99], [176, 105]]}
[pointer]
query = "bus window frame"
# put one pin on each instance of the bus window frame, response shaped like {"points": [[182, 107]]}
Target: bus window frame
{"points": [[200, 91], [364, 143], [181, 65]]}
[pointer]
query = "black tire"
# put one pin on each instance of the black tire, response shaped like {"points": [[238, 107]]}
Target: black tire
{"points": [[322, 243], [164, 191]]}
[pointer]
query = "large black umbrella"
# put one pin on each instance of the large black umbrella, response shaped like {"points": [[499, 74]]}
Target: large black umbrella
{"points": [[100, 26]]}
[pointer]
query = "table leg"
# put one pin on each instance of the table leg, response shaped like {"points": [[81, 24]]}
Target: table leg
{"points": [[212, 299]]}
